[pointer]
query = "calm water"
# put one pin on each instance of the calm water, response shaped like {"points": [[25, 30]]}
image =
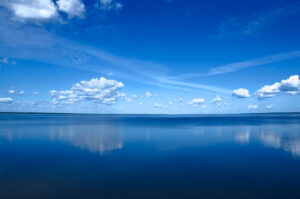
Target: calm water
{"points": [[159, 157]]}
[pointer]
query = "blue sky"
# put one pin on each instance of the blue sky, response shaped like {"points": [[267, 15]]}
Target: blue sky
{"points": [[150, 56]]}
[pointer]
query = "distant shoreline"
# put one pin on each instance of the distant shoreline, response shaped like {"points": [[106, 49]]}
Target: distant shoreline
{"points": [[145, 114]]}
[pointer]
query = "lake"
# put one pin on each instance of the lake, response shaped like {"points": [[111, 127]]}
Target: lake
{"points": [[149, 156]]}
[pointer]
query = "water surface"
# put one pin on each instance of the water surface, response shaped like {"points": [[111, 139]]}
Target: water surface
{"points": [[149, 156]]}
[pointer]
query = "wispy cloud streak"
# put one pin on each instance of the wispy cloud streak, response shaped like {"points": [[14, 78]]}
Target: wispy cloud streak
{"points": [[232, 67]]}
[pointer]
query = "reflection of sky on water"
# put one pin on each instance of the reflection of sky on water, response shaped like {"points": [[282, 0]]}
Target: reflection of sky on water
{"points": [[243, 136], [286, 138], [107, 135], [95, 138]]}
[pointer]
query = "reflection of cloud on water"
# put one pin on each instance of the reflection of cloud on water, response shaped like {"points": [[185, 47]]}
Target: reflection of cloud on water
{"points": [[279, 140], [293, 147], [271, 140], [243, 136], [95, 138]]}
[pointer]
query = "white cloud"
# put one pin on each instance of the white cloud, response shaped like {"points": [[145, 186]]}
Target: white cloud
{"points": [[290, 86], [33, 9], [134, 96], [109, 5], [13, 92], [227, 68], [71, 7], [157, 105], [102, 91], [148, 94], [241, 93], [44, 9], [252, 107], [268, 91], [217, 99], [129, 100], [269, 106], [170, 103], [292, 92], [196, 101], [35, 93], [5, 100]]}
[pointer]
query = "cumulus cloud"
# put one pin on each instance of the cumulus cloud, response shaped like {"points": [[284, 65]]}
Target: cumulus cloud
{"points": [[289, 86], [44, 9], [13, 92], [252, 107], [33, 9], [268, 91], [101, 91], [157, 105], [292, 85], [241, 93], [109, 5], [197, 101], [217, 99], [134, 96], [148, 94], [5, 100], [269, 106], [71, 7]]}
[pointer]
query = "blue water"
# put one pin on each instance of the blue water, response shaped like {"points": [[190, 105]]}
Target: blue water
{"points": [[141, 156]]}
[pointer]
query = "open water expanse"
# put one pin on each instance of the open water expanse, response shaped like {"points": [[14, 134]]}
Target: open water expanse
{"points": [[149, 156]]}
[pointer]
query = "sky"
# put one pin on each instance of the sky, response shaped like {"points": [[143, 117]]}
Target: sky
{"points": [[150, 56]]}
